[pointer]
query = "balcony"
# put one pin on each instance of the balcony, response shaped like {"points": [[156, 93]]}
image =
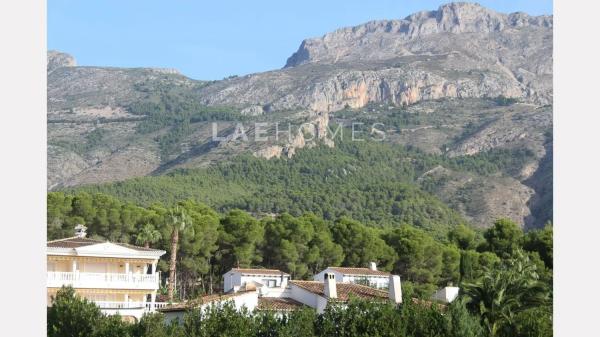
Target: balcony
{"points": [[103, 280], [147, 306], [135, 309]]}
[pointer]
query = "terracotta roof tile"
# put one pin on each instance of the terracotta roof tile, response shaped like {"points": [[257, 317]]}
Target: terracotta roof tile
{"points": [[344, 290], [258, 271], [360, 271], [73, 242], [278, 304]]}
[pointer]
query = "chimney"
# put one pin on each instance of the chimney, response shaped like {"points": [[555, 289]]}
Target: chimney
{"points": [[80, 231], [395, 290], [372, 265], [330, 288]]}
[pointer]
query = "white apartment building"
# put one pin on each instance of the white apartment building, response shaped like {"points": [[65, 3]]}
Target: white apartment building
{"points": [[365, 276], [119, 278]]}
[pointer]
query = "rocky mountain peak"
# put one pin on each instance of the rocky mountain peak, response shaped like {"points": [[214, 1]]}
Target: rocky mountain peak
{"points": [[57, 59], [455, 18]]}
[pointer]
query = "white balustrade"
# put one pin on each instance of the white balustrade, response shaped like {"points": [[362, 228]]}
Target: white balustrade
{"points": [[151, 307], [119, 305], [103, 280]]}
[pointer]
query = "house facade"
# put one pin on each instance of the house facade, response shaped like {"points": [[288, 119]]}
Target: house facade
{"points": [[365, 276], [292, 296], [265, 280], [117, 277]]}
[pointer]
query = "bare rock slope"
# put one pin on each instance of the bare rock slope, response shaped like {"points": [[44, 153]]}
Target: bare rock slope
{"points": [[460, 50]]}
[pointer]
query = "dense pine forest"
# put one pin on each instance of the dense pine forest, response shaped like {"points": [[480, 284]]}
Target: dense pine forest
{"points": [[379, 184]]}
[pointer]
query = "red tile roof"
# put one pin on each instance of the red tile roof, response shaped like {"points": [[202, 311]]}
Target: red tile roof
{"points": [[359, 271], [344, 290], [278, 304], [258, 271], [74, 242]]}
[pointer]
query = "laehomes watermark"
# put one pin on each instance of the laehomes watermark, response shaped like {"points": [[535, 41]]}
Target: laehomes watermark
{"points": [[275, 131]]}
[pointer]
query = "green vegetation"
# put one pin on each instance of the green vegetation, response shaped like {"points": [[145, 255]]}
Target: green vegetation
{"points": [[506, 292], [372, 182], [211, 243], [505, 101], [174, 108], [71, 315], [92, 140]]}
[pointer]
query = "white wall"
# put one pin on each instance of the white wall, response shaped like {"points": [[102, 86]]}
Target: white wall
{"points": [[276, 292], [248, 300], [137, 312], [304, 296], [376, 281], [232, 279], [447, 294], [308, 298]]}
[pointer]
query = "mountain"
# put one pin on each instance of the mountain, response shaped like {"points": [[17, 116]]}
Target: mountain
{"points": [[461, 50], [458, 82]]}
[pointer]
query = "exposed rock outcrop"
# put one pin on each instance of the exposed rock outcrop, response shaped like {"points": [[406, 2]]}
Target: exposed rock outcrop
{"points": [[308, 134], [58, 59]]}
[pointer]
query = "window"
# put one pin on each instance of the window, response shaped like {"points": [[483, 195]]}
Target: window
{"points": [[271, 283]]}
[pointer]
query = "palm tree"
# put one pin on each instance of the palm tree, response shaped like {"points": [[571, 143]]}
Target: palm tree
{"points": [[504, 292], [178, 219], [147, 235]]}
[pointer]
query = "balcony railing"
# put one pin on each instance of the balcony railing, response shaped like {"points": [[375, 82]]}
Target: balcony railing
{"points": [[147, 306], [156, 305], [120, 305], [103, 280]]}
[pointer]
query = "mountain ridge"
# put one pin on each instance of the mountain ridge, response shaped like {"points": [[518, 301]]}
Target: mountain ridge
{"points": [[462, 81], [456, 17]]}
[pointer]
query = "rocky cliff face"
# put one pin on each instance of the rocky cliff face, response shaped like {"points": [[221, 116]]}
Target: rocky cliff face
{"points": [[57, 59], [460, 50], [385, 39]]}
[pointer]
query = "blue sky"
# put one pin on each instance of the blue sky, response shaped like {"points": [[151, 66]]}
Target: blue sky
{"points": [[214, 39]]}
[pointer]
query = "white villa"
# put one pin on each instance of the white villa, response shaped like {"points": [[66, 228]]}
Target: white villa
{"points": [[263, 279], [285, 296], [119, 278], [367, 276]]}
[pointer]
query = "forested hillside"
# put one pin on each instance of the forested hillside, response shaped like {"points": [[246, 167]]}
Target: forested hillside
{"points": [[377, 183]]}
